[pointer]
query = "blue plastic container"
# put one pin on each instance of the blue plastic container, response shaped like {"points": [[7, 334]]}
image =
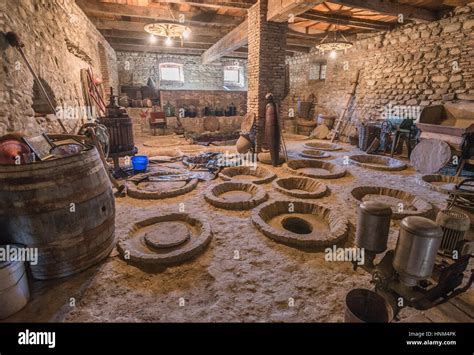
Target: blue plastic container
{"points": [[140, 163]]}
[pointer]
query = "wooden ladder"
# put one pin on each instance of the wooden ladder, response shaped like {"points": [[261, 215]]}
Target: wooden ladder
{"points": [[342, 122]]}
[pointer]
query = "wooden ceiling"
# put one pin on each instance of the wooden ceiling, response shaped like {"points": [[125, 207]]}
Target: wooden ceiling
{"points": [[122, 21]]}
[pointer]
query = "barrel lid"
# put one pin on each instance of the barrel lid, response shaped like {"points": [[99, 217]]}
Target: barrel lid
{"points": [[376, 208], [422, 227]]}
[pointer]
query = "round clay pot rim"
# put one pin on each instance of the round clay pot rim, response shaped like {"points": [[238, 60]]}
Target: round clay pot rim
{"points": [[134, 192], [334, 170], [422, 206], [297, 137], [195, 245], [259, 195], [337, 222], [427, 180], [262, 175], [398, 164], [329, 147], [307, 194], [305, 154]]}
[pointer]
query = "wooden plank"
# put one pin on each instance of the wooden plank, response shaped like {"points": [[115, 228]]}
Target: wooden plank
{"points": [[142, 35], [169, 50], [465, 303], [159, 44], [391, 8], [230, 42], [296, 48], [214, 4], [416, 318], [283, 10], [100, 9], [103, 24], [354, 22], [447, 313]]}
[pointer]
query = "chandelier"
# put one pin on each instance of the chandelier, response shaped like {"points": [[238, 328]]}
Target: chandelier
{"points": [[169, 30], [338, 43]]}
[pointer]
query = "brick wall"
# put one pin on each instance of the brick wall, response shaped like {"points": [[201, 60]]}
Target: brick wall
{"points": [[137, 68], [59, 41], [266, 61], [414, 65]]}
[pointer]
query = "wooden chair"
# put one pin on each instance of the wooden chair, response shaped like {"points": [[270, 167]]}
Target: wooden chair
{"points": [[158, 120]]}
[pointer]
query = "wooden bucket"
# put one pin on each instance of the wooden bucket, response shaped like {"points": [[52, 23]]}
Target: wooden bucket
{"points": [[14, 291], [63, 207]]}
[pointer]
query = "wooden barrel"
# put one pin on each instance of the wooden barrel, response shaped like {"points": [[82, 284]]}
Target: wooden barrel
{"points": [[305, 127], [64, 207]]}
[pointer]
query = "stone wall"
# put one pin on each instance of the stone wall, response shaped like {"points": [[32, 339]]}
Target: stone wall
{"points": [[266, 66], [59, 41], [190, 124], [201, 99], [414, 65], [135, 69]]}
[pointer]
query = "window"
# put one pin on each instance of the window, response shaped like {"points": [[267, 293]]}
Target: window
{"points": [[171, 72], [317, 71], [233, 76]]}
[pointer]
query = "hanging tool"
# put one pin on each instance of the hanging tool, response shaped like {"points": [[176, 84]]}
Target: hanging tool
{"points": [[94, 92], [14, 41]]}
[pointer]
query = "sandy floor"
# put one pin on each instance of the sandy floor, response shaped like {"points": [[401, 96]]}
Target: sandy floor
{"points": [[217, 287]]}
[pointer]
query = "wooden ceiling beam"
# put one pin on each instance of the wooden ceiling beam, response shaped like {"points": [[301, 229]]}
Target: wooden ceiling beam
{"points": [[146, 37], [209, 40], [176, 44], [167, 50], [296, 48], [353, 22], [214, 4], [100, 9], [284, 10], [387, 7], [104, 24], [230, 42]]}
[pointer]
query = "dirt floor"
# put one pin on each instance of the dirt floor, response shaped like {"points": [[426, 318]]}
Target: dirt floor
{"points": [[216, 287]]}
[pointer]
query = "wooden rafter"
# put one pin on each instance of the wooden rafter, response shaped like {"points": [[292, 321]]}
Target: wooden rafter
{"points": [[100, 9], [214, 4], [390, 8], [282, 10], [336, 19]]}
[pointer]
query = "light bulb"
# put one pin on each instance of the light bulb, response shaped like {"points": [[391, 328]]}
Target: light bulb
{"points": [[186, 33], [168, 41], [333, 55], [152, 39]]}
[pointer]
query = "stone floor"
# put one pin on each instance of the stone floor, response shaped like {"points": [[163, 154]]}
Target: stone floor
{"points": [[216, 287]]}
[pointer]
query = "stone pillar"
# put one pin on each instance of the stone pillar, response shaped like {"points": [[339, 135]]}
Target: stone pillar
{"points": [[266, 62]]}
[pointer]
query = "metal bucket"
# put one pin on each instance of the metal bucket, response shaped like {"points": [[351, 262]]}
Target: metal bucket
{"points": [[365, 306], [14, 290]]}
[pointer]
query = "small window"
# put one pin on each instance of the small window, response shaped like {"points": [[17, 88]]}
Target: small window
{"points": [[171, 72], [317, 71], [233, 76]]}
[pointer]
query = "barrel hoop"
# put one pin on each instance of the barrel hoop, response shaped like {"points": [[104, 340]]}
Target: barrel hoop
{"points": [[31, 209]]}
